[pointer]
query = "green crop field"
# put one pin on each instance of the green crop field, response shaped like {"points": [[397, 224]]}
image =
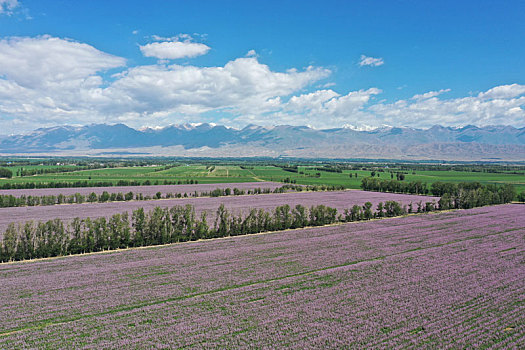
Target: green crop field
{"points": [[153, 174], [270, 173], [306, 175], [16, 169]]}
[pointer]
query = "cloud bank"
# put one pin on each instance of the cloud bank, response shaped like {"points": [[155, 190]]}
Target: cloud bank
{"points": [[46, 81]]}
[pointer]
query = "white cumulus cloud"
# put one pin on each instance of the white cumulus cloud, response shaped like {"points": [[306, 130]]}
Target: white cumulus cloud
{"points": [[174, 49], [242, 85], [371, 61], [327, 108], [7, 6], [501, 105], [319, 109], [46, 81], [429, 94], [47, 61], [503, 91]]}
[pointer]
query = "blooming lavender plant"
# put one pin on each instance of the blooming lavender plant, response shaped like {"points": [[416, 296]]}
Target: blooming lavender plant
{"points": [[445, 280]]}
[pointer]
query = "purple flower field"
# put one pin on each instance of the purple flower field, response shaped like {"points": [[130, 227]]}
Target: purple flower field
{"points": [[336, 199], [145, 190], [441, 280]]}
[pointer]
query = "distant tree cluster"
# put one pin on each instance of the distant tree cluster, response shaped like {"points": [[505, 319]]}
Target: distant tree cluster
{"points": [[383, 185], [92, 163], [464, 195], [468, 195], [399, 176], [166, 167], [84, 183], [330, 169], [413, 167], [77, 198], [6, 173], [64, 169], [291, 169], [7, 201]]}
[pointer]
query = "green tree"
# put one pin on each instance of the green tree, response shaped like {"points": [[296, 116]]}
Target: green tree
{"points": [[9, 242], [367, 211], [104, 197], [222, 223], [300, 216], [75, 243], [6, 173], [92, 198], [379, 210], [201, 229], [138, 223]]}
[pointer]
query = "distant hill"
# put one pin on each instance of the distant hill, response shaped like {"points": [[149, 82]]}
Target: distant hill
{"points": [[437, 142]]}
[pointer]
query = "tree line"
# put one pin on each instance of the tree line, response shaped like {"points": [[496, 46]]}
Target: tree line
{"points": [[171, 225], [468, 195], [8, 201], [464, 195], [64, 169], [394, 186], [158, 226], [329, 169], [85, 183], [72, 168], [413, 167]]}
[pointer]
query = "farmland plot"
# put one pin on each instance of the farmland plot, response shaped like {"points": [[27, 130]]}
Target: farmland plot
{"points": [[337, 199], [447, 280], [145, 190]]}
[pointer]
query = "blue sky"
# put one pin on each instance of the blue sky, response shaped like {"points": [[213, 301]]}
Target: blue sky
{"points": [[359, 64]]}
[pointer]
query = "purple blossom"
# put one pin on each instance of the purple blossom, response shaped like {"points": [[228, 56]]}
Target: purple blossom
{"points": [[440, 280]]}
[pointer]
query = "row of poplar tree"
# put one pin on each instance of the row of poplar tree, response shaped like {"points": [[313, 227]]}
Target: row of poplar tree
{"points": [[85, 183], [78, 198], [168, 225], [7, 201]]}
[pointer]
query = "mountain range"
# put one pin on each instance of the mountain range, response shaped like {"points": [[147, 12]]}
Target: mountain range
{"points": [[207, 140]]}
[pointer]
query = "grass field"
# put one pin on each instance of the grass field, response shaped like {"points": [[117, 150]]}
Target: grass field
{"points": [[16, 169], [233, 174]]}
